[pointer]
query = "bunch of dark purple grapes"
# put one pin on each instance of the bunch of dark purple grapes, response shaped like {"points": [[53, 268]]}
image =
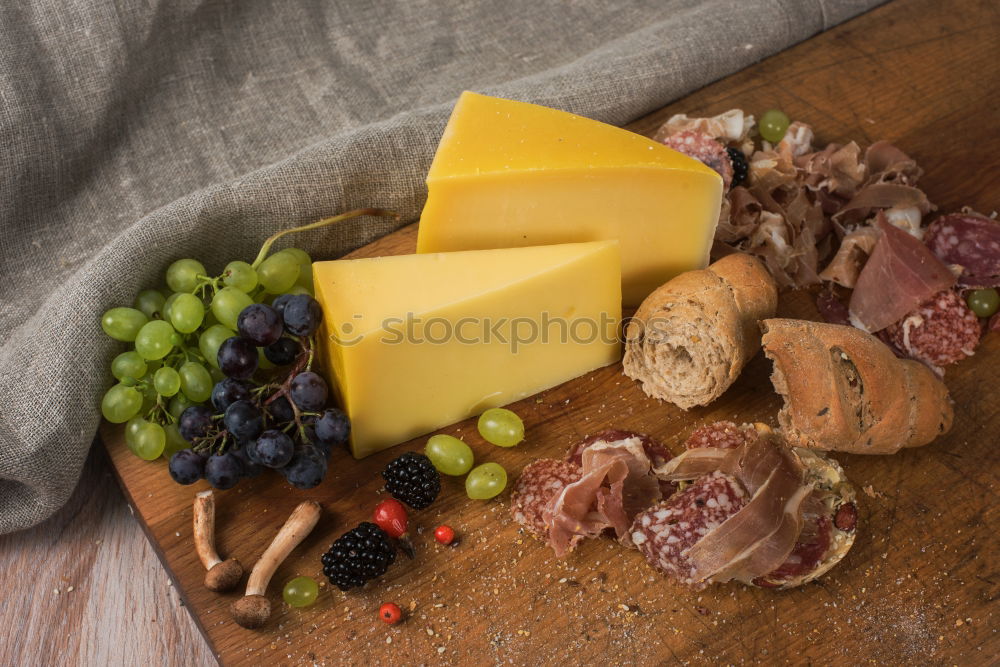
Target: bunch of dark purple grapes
{"points": [[261, 419]]}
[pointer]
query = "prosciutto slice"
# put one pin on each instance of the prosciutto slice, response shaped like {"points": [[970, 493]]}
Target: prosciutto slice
{"points": [[900, 274], [616, 484]]}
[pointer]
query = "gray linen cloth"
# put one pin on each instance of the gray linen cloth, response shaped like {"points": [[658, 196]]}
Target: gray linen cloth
{"points": [[136, 133]]}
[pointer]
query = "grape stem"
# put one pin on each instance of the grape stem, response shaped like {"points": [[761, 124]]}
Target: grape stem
{"points": [[303, 362], [321, 223]]}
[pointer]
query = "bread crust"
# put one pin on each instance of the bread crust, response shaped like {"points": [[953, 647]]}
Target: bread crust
{"points": [[845, 390], [690, 339]]}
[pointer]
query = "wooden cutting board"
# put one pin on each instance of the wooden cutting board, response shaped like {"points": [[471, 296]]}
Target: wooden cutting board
{"points": [[920, 583]]}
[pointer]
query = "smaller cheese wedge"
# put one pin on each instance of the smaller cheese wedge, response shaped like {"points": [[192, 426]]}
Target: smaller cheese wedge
{"points": [[512, 174], [417, 342]]}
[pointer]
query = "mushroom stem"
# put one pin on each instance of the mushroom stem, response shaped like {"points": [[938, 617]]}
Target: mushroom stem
{"points": [[221, 575], [253, 610]]}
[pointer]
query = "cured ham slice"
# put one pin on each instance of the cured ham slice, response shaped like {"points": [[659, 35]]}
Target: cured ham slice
{"points": [[604, 483], [900, 274]]}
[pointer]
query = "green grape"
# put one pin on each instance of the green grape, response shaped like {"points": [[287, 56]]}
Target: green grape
{"points": [[300, 255], [148, 391], [210, 319], [217, 375], [175, 442], [167, 381], [178, 404], [153, 365], [187, 312], [155, 340], [300, 592], [501, 427], [131, 428], [182, 275], [239, 275], [196, 381], [485, 481], [211, 340], [227, 304], [773, 125], [305, 280], [278, 272], [984, 302], [168, 304], [121, 403], [449, 455], [123, 323], [299, 289], [128, 365], [148, 441], [150, 302]]}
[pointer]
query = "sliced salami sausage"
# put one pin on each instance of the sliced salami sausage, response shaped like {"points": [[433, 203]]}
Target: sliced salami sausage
{"points": [[538, 484], [705, 149], [812, 545], [720, 435], [939, 332], [970, 240], [665, 532]]}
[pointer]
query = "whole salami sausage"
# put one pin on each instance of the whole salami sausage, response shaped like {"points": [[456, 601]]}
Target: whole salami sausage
{"points": [[970, 240]]}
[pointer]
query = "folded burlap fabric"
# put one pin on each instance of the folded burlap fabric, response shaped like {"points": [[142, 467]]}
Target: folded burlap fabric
{"points": [[134, 134]]}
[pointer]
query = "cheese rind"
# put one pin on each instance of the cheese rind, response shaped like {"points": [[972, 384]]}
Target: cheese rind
{"points": [[417, 342], [511, 174]]}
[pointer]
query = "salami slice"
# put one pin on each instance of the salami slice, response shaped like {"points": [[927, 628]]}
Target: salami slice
{"points": [[939, 332], [665, 532], [720, 435], [705, 149], [657, 453], [538, 484], [812, 545], [970, 240]]}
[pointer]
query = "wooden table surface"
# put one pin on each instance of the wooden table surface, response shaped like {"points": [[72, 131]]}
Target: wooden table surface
{"points": [[86, 587]]}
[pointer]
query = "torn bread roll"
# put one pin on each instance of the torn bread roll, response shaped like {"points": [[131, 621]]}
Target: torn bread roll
{"points": [[845, 390], [691, 337]]}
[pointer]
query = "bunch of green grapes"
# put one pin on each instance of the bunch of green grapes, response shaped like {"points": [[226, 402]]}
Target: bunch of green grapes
{"points": [[176, 334]]}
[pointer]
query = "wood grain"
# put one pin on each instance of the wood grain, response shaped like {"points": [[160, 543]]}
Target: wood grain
{"points": [[86, 588], [918, 586]]}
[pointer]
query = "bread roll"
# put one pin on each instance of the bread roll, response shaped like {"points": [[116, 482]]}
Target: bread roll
{"points": [[691, 337], [845, 390]]}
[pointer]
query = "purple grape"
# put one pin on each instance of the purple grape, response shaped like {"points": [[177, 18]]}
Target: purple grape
{"points": [[302, 315], [280, 411], [238, 358], [309, 391], [283, 351], [260, 323], [279, 303], [223, 471], [333, 427], [228, 391], [195, 422], [186, 466], [243, 420], [306, 469], [251, 468], [274, 449]]}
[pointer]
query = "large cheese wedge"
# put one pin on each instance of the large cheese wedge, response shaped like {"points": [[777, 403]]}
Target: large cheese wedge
{"points": [[417, 342], [512, 174]]}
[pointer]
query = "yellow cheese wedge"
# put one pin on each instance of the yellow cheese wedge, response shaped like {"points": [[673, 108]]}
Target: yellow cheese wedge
{"points": [[512, 174], [417, 342]]}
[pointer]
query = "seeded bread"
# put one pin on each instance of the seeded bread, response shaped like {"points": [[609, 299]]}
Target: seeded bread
{"points": [[845, 390], [691, 338]]}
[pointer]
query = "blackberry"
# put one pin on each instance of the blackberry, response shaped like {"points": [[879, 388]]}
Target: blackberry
{"points": [[358, 556], [412, 479], [741, 168]]}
